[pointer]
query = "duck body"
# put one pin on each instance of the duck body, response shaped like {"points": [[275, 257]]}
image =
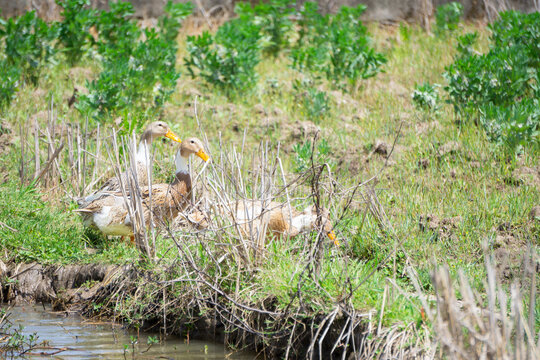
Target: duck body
{"points": [[275, 218], [109, 213]]}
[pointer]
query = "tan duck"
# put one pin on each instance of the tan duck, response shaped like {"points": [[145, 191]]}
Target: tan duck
{"points": [[278, 219], [152, 132], [110, 215]]}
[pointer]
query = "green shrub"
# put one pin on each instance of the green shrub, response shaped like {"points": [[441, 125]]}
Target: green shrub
{"points": [[227, 59], [337, 46], [466, 44], [426, 97], [514, 28], [500, 87], [28, 44], [274, 21], [170, 24], [447, 17], [313, 103], [115, 27], [9, 83], [74, 37], [515, 126], [138, 75], [139, 80]]}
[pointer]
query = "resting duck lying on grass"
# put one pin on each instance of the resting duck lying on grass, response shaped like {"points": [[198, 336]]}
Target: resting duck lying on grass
{"points": [[153, 131], [109, 213], [252, 216]]}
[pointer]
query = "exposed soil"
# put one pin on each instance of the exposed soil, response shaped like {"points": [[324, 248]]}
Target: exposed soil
{"points": [[6, 141], [302, 130], [509, 250], [534, 214], [352, 161], [29, 283], [525, 176], [450, 147], [383, 149], [78, 73], [443, 228], [427, 127]]}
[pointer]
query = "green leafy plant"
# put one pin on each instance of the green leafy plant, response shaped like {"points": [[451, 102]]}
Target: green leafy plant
{"points": [[499, 88], [314, 103], [337, 46], [9, 83], [466, 44], [426, 97], [139, 72], [115, 27], [303, 153], [274, 21], [227, 59], [170, 24], [28, 44], [74, 37], [514, 126], [447, 17]]}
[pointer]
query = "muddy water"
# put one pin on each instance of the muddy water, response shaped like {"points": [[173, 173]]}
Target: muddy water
{"points": [[87, 340]]}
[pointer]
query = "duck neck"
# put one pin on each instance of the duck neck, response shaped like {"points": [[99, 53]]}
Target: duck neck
{"points": [[182, 181], [143, 150], [181, 163]]}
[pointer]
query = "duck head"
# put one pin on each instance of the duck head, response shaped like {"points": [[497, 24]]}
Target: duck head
{"points": [[157, 129], [327, 227], [191, 146]]}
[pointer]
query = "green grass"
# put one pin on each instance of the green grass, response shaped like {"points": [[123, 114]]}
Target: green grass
{"points": [[34, 230], [471, 182]]}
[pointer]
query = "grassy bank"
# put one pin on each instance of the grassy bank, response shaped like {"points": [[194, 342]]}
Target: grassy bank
{"points": [[433, 190]]}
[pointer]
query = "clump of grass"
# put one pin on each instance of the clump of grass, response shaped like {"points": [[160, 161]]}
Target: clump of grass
{"points": [[304, 155], [31, 230]]}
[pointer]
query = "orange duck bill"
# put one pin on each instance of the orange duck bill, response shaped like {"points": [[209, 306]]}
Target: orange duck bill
{"points": [[202, 155], [173, 136], [332, 237]]}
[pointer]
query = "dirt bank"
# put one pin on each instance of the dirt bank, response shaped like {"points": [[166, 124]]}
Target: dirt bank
{"points": [[102, 291], [31, 283]]}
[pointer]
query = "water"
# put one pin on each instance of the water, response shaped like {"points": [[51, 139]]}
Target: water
{"points": [[89, 340]]}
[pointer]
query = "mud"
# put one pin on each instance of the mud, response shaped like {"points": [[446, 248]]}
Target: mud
{"points": [[30, 283]]}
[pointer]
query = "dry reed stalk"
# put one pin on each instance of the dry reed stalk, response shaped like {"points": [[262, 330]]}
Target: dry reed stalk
{"points": [[467, 329], [36, 149]]}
